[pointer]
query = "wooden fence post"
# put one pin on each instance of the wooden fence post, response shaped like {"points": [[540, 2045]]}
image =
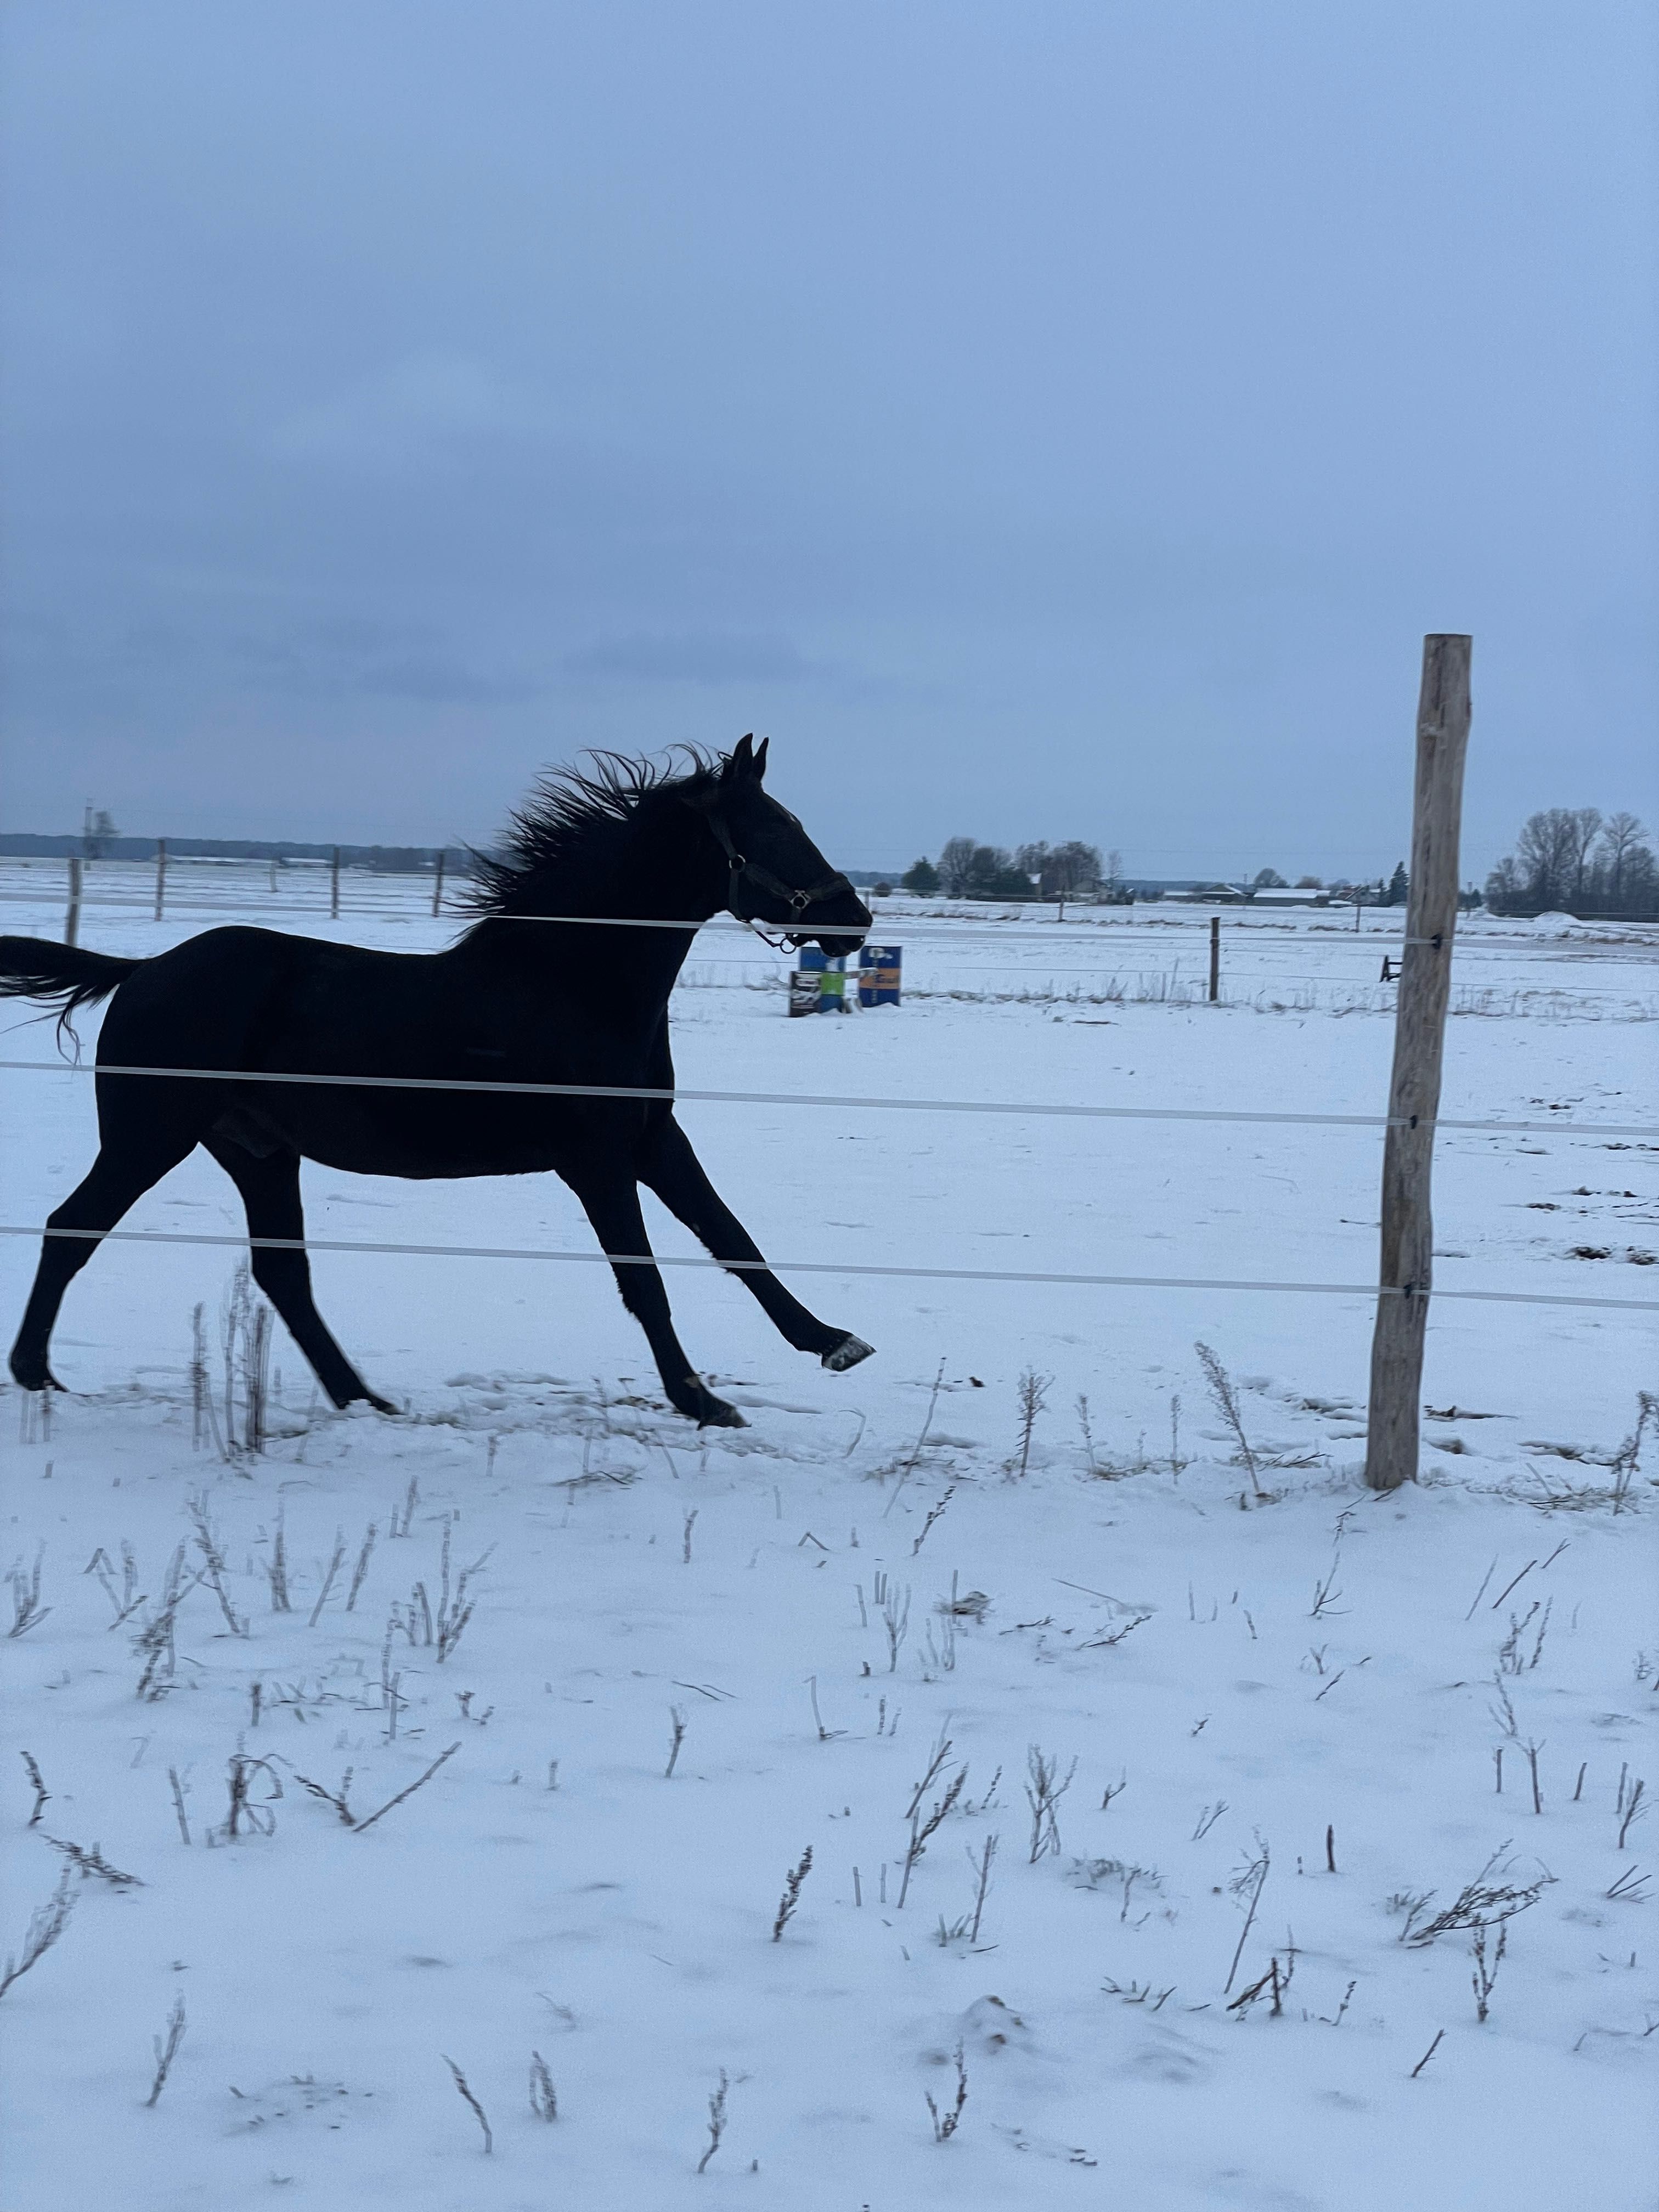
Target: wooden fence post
{"points": [[160, 876], [1215, 957], [1419, 1035], [72, 919], [438, 885], [334, 887]]}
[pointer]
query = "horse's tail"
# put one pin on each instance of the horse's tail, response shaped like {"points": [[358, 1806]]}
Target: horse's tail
{"points": [[63, 974]]}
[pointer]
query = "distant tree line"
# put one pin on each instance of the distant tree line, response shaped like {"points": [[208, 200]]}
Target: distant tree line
{"points": [[1573, 860], [107, 844], [967, 869]]}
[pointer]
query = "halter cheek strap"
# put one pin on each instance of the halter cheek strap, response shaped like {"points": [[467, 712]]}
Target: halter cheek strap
{"points": [[797, 901]]}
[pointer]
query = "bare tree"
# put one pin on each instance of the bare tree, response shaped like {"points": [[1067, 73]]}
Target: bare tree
{"points": [[1586, 825], [955, 866], [1547, 850], [1621, 835]]}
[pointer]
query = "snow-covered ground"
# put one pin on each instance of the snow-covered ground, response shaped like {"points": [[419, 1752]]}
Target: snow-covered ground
{"points": [[1126, 1603]]}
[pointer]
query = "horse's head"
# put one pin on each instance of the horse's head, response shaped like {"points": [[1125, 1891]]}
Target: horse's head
{"points": [[778, 876]]}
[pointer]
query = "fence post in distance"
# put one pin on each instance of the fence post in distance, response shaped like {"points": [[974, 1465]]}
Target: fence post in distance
{"points": [[334, 887], [160, 876], [1215, 957], [1405, 1276], [438, 885], [72, 919]]}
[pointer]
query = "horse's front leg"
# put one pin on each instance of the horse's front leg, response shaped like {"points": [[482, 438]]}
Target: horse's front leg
{"points": [[611, 1202], [669, 1168]]}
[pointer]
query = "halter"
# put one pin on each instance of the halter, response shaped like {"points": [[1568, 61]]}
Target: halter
{"points": [[797, 901]]}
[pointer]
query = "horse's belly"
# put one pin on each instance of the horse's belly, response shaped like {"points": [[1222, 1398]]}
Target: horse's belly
{"points": [[424, 1162], [427, 1139]]}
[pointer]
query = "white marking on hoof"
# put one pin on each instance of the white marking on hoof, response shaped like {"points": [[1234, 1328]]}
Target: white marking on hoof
{"points": [[847, 1353]]}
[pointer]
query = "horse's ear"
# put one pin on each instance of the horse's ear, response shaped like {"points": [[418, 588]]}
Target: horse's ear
{"points": [[741, 761], [760, 758]]}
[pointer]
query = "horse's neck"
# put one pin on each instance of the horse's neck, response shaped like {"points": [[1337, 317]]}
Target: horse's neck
{"points": [[649, 871]]}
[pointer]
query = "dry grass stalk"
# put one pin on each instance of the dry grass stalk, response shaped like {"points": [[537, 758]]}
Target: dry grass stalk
{"points": [[214, 1569], [46, 1923], [946, 2122], [478, 2109], [933, 1514], [154, 1641], [791, 1897], [42, 1795], [909, 1466], [1088, 1433], [245, 1341], [178, 1802], [167, 2051], [1043, 1792], [1272, 1984], [1248, 1885], [544, 2098], [129, 1597], [677, 1725], [1627, 1457], [1633, 1809], [27, 1610], [966, 1929], [716, 2119], [1481, 1902], [360, 1568], [202, 1420], [1227, 1401], [246, 1810], [453, 1613], [1485, 1969], [337, 1798], [92, 1863], [1439, 2037], [895, 1618], [334, 1564], [360, 1826], [1033, 1397]]}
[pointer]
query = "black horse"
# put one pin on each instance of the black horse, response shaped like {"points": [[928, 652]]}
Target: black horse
{"points": [[516, 999]]}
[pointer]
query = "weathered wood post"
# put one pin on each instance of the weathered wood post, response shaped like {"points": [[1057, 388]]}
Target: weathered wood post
{"points": [[1215, 957], [1419, 1035], [72, 919], [160, 876], [334, 887], [438, 885]]}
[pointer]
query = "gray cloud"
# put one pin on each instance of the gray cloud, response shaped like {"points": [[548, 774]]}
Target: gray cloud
{"points": [[1060, 423], [341, 657], [691, 657]]}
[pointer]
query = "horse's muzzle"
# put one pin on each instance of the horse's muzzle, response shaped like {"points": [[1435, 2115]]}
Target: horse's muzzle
{"points": [[839, 924]]}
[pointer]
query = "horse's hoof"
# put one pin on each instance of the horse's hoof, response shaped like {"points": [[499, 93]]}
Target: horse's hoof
{"points": [[707, 1411], [847, 1353], [717, 1414], [381, 1405]]}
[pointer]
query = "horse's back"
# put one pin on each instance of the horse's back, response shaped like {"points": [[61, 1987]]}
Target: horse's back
{"points": [[244, 999]]}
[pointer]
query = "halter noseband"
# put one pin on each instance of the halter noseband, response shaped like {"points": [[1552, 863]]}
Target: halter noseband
{"points": [[797, 901]]}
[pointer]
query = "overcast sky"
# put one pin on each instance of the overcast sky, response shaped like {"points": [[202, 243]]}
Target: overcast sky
{"points": [[1044, 419]]}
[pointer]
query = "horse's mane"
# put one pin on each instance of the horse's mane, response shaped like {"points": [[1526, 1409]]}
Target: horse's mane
{"points": [[569, 817]]}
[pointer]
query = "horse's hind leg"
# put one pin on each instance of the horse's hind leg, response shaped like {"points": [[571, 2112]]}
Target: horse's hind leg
{"points": [[270, 1193], [611, 1202], [123, 1171], [672, 1169]]}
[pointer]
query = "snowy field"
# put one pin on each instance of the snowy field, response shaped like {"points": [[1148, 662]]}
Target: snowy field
{"points": [[839, 1609]]}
